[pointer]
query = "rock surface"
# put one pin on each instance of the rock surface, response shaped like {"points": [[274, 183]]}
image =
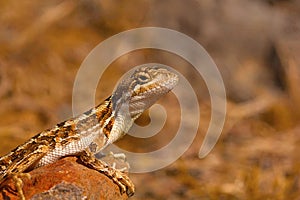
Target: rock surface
{"points": [[65, 179]]}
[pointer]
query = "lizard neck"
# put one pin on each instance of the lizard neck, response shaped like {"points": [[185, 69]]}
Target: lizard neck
{"points": [[122, 121], [113, 123]]}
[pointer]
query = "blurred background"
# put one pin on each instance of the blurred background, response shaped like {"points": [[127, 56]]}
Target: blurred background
{"points": [[255, 44]]}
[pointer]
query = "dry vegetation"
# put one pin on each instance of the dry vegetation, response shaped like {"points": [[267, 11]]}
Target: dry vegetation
{"points": [[255, 44]]}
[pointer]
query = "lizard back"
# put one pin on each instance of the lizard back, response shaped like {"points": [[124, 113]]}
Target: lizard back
{"points": [[96, 128], [66, 138]]}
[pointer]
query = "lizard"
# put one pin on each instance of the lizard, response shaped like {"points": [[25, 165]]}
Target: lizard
{"points": [[89, 133]]}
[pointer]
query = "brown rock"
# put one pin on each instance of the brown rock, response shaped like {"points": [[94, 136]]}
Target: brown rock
{"points": [[64, 179]]}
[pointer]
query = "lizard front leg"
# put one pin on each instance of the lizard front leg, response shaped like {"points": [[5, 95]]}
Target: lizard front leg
{"points": [[120, 178]]}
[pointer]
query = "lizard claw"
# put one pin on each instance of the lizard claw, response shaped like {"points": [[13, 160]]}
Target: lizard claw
{"points": [[19, 183], [119, 178], [116, 161], [123, 181]]}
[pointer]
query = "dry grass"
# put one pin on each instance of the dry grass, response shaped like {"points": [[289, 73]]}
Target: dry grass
{"points": [[257, 157]]}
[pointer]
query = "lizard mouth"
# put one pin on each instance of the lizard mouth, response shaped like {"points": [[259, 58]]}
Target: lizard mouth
{"points": [[171, 81], [146, 95], [142, 88]]}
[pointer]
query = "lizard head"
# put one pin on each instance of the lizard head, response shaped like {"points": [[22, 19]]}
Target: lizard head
{"points": [[143, 88]]}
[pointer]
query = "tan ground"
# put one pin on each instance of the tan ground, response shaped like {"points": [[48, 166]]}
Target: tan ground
{"points": [[254, 43]]}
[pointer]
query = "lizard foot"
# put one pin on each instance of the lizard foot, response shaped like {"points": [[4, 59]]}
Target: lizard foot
{"points": [[116, 161], [19, 183], [119, 177]]}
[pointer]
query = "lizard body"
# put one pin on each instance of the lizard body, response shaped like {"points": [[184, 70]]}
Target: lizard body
{"points": [[92, 131]]}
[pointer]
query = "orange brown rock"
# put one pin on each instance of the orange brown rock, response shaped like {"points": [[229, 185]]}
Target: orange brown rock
{"points": [[64, 179]]}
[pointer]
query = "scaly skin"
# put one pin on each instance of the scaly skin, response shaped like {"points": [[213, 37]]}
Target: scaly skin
{"points": [[92, 131]]}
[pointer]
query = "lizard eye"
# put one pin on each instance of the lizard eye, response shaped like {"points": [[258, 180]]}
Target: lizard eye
{"points": [[143, 78]]}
